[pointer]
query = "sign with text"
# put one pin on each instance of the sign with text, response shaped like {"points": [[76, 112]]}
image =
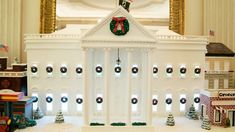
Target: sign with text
{"points": [[226, 94]]}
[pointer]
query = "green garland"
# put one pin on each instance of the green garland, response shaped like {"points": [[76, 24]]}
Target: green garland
{"points": [[139, 124], [96, 124], [118, 124], [119, 32]]}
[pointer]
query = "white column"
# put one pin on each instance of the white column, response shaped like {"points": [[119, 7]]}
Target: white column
{"points": [[149, 88], [85, 89], [129, 86], [106, 85]]}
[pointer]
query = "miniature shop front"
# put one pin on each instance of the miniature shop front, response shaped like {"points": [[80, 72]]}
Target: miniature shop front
{"points": [[14, 103], [218, 98], [116, 73]]}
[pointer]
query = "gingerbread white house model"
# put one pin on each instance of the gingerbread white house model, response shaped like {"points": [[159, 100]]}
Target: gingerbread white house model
{"points": [[117, 71]]}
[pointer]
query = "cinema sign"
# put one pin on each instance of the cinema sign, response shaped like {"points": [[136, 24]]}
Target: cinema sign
{"points": [[226, 94]]}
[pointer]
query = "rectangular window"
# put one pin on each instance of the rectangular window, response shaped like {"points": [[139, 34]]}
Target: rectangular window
{"points": [[99, 106], [216, 66], [168, 106], [182, 102], [64, 102], [79, 99], [134, 106], [226, 83], [196, 105], [154, 107], [35, 104], [226, 66], [216, 84], [217, 116], [169, 70], [207, 66], [49, 104], [206, 83]]}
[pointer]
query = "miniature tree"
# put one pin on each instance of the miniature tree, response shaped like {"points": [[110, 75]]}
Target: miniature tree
{"points": [[191, 114], [206, 123], [170, 120], [59, 117], [37, 114]]}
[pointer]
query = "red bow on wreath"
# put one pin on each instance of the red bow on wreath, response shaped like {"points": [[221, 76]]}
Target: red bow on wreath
{"points": [[119, 20]]}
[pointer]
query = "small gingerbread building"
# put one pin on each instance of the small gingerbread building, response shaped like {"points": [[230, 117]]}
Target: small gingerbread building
{"points": [[218, 99]]}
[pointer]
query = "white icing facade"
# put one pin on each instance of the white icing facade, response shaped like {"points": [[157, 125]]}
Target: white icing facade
{"points": [[98, 47]]}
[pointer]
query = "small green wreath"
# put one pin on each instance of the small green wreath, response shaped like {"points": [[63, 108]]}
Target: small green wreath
{"points": [[119, 21]]}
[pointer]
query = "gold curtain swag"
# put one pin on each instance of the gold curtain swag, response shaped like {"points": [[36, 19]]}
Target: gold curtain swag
{"points": [[177, 12], [47, 16]]}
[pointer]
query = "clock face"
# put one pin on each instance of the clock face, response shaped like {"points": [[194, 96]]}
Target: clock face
{"points": [[5, 84]]}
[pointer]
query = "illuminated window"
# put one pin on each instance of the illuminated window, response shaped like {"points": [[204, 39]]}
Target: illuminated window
{"points": [[49, 100], [183, 71], [196, 101], [207, 66], [63, 69], [216, 66], [168, 102], [197, 71], [79, 101], [182, 102], [117, 70], [169, 70], [217, 115], [98, 70], [34, 69], [226, 83], [49, 69], [99, 102], [35, 103], [154, 103], [134, 103], [64, 102], [155, 70], [216, 84], [135, 70], [226, 66]]}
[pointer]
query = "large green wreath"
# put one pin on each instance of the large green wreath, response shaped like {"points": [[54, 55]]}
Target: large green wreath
{"points": [[119, 21]]}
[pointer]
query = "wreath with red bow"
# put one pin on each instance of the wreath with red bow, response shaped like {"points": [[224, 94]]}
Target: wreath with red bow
{"points": [[119, 26]]}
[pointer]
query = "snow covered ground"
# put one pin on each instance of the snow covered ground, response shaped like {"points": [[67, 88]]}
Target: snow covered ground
{"points": [[73, 124]]}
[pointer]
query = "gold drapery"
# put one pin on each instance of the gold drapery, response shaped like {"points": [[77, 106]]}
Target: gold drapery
{"points": [[177, 11], [47, 16]]}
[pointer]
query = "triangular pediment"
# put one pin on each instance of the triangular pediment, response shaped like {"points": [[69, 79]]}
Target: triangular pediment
{"points": [[101, 33]]}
